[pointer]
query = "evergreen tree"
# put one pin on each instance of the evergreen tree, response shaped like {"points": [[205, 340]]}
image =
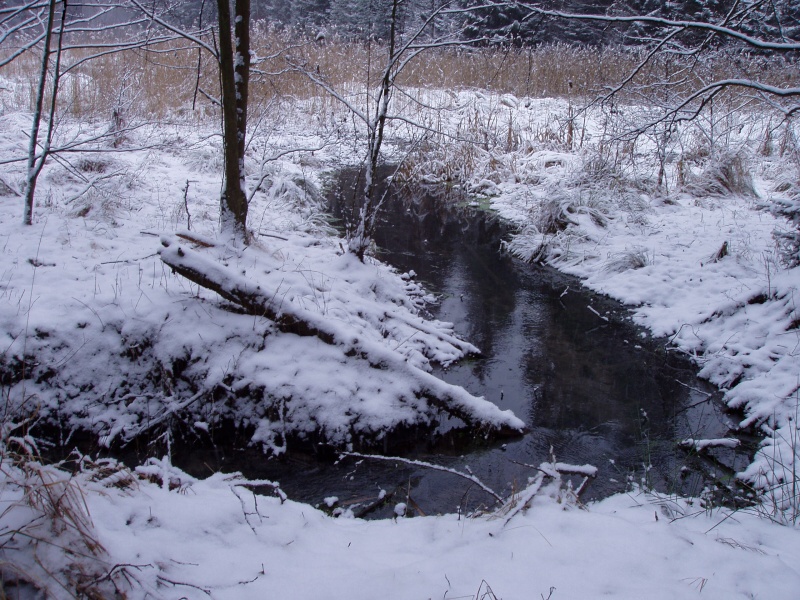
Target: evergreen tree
{"points": [[309, 15]]}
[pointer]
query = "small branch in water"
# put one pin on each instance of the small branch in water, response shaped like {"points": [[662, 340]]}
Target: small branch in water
{"points": [[694, 389], [700, 445], [427, 465], [372, 506], [597, 313]]}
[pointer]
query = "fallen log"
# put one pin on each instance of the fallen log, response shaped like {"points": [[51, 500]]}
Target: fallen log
{"points": [[290, 318]]}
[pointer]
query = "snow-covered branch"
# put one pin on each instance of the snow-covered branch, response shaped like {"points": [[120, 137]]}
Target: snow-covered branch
{"points": [[418, 463]]}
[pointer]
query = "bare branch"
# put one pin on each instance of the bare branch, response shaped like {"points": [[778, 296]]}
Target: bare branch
{"points": [[418, 463], [193, 37]]}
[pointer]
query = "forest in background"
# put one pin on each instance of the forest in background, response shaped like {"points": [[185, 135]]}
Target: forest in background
{"points": [[497, 22]]}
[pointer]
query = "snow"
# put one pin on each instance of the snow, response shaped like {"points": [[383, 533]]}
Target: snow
{"points": [[619, 549], [587, 470], [122, 345], [711, 443], [195, 539]]}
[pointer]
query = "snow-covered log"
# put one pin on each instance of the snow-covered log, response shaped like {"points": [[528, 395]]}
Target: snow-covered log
{"points": [[294, 319]]}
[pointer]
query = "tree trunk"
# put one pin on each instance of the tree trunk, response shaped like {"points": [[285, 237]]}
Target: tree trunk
{"points": [[34, 166], [360, 241], [234, 68]]}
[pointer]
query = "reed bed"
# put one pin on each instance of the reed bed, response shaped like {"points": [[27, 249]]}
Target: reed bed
{"points": [[175, 78]]}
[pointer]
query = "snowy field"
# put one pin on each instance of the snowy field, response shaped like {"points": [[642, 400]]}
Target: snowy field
{"points": [[98, 334]]}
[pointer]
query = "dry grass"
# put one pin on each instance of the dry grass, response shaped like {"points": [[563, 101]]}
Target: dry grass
{"points": [[47, 540], [170, 78], [726, 174]]}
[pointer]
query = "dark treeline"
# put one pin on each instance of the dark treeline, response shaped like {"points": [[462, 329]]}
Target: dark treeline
{"points": [[504, 23], [508, 22]]}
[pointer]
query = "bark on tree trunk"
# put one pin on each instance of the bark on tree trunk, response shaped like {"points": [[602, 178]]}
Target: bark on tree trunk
{"points": [[234, 68], [361, 240], [34, 165]]}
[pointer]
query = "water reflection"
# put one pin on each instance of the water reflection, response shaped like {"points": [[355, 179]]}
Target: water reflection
{"points": [[567, 361]]}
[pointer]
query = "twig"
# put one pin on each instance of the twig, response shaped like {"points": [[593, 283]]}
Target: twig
{"points": [[273, 236], [103, 325], [92, 183], [427, 465], [163, 579], [186, 205], [195, 240], [128, 260], [532, 490]]}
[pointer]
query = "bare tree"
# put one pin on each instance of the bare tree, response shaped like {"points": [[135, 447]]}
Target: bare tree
{"points": [[403, 45], [60, 28], [125, 25], [747, 28], [36, 162]]}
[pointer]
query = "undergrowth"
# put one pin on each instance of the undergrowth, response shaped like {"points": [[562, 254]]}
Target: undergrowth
{"points": [[47, 538]]}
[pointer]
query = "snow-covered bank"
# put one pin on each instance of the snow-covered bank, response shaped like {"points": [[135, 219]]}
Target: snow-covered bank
{"points": [[177, 537], [704, 273], [625, 547], [693, 255]]}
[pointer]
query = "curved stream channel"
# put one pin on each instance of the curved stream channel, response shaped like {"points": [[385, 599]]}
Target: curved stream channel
{"points": [[593, 387]]}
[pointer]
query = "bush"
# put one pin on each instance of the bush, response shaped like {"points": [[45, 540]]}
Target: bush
{"points": [[723, 175], [788, 241]]}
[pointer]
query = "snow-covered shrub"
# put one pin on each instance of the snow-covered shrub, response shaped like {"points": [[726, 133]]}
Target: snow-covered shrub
{"points": [[785, 201], [722, 175], [449, 164], [94, 164], [296, 193], [577, 202], [205, 159], [635, 258], [788, 240]]}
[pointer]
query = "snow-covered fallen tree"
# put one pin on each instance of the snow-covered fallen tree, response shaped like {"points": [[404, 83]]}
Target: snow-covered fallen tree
{"points": [[369, 335]]}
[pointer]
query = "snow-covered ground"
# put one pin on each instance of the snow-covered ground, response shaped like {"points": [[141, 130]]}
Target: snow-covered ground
{"points": [[216, 539], [122, 346]]}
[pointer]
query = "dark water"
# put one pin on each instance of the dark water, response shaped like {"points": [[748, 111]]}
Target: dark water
{"points": [[592, 387]]}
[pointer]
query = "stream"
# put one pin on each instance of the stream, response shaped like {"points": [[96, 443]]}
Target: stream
{"points": [[593, 387]]}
